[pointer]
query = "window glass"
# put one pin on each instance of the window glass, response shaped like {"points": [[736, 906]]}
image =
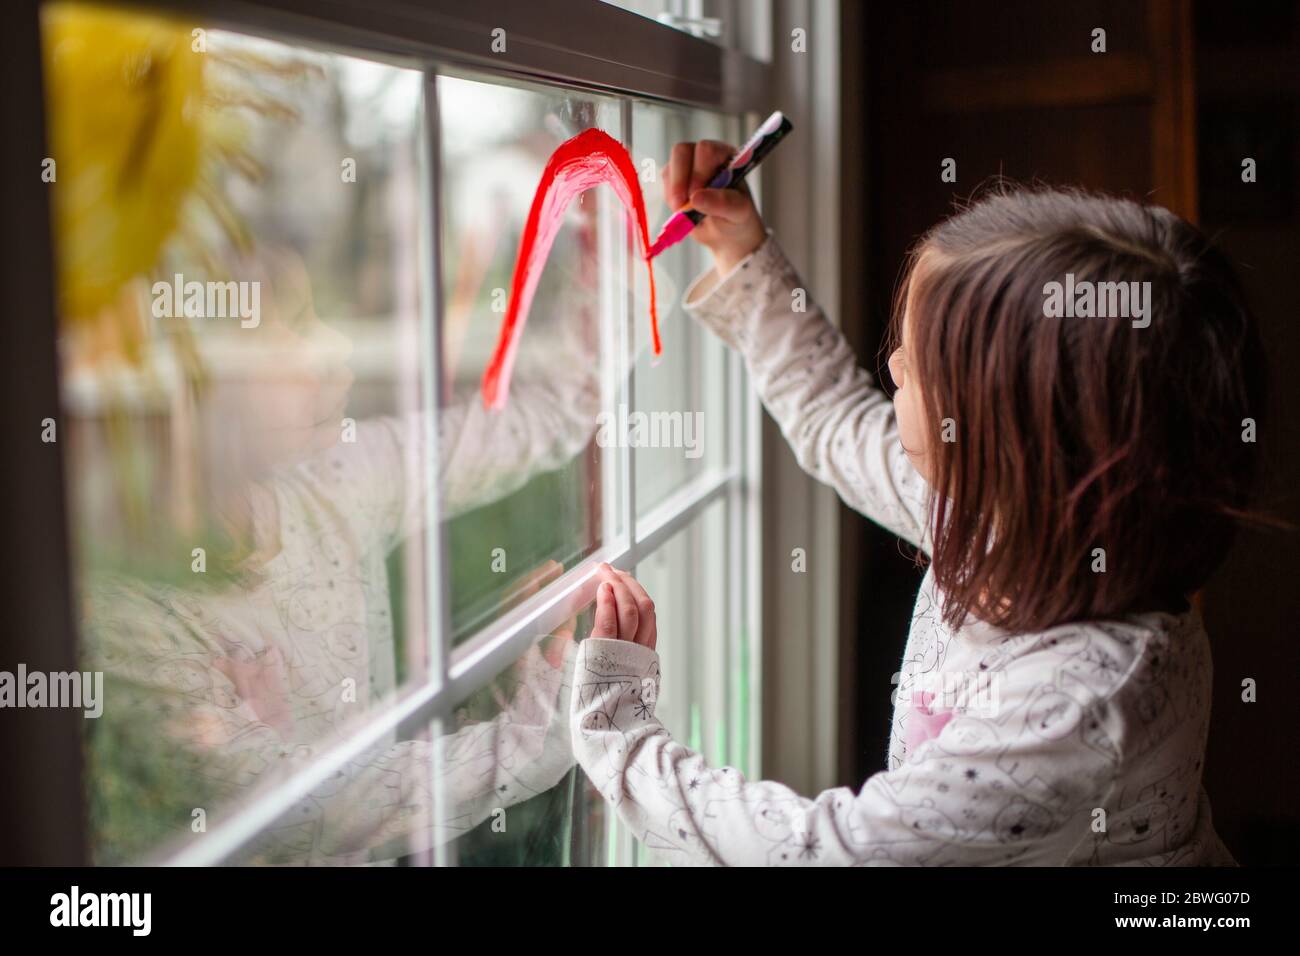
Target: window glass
{"points": [[679, 423], [704, 697], [238, 254], [686, 581], [506, 774], [735, 24], [706, 19], [523, 485]]}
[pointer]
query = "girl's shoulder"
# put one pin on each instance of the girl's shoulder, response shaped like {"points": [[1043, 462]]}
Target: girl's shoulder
{"points": [[1139, 678], [1136, 646], [1095, 662]]}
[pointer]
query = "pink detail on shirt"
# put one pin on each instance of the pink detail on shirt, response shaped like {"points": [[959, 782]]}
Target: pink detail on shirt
{"points": [[923, 723]]}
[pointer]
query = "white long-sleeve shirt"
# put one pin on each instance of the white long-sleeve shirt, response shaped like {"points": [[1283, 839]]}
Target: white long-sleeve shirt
{"points": [[1080, 744]]}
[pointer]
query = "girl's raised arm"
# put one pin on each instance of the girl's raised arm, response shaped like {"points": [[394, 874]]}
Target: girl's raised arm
{"points": [[840, 426]]}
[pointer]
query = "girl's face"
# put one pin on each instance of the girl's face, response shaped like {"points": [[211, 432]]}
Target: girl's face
{"points": [[909, 405]]}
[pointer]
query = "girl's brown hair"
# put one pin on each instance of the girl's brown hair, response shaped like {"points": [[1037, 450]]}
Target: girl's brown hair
{"points": [[1073, 434]]}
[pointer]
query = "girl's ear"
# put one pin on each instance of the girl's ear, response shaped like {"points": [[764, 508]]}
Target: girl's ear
{"points": [[897, 366]]}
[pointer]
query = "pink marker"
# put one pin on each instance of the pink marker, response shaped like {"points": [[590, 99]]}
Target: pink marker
{"points": [[728, 176]]}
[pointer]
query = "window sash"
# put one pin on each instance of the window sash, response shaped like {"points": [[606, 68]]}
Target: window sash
{"points": [[618, 53], [583, 43]]}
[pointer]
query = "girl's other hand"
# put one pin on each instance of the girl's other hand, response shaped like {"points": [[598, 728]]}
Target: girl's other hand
{"points": [[624, 611], [732, 228]]}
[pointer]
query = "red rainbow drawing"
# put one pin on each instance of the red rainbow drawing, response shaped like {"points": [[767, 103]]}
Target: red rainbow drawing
{"points": [[581, 163]]}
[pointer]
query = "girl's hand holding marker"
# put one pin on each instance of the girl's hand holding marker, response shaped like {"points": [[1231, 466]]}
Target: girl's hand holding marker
{"points": [[704, 182]]}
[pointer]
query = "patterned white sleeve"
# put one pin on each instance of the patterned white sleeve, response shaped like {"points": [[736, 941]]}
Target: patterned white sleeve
{"points": [[216, 747], [840, 426], [482, 456], [382, 803], [1021, 786]]}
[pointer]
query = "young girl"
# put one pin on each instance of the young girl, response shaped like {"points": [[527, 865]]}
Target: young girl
{"points": [[1073, 475]]}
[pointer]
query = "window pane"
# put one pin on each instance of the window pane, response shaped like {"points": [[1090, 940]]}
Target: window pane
{"points": [[506, 769], [237, 228], [738, 24], [522, 486], [705, 682], [493, 784], [681, 397], [664, 12]]}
